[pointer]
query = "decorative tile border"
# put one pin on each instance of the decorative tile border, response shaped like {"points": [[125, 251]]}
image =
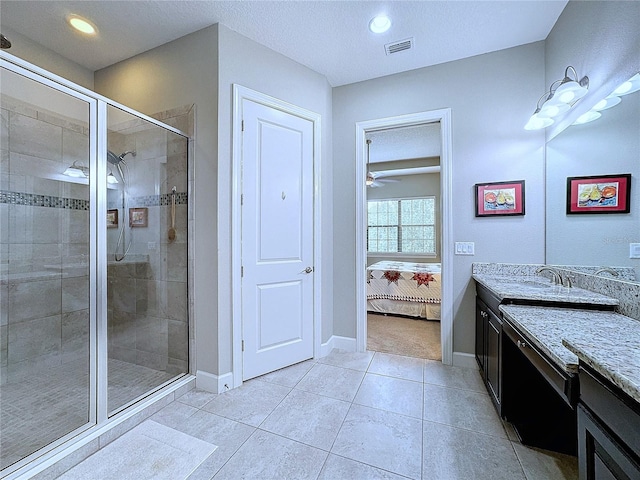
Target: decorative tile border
{"points": [[34, 200], [152, 201], [159, 200]]}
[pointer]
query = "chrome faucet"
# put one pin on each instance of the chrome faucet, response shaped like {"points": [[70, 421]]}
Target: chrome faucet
{"points": [[608, 270], [556, 278]]}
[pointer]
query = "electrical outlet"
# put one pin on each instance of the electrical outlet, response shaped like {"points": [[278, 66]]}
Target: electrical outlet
{"points": [[465, 248], [151, 245], [634, 250]]}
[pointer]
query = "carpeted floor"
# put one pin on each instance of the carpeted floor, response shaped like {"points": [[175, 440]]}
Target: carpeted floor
{"points": [[404, 336]]}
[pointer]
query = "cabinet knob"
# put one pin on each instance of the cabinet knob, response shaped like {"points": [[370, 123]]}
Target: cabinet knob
{"points": [[521, 344]]}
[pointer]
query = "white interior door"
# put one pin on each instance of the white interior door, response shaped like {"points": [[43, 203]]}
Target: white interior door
{"points": [[277, 239]]}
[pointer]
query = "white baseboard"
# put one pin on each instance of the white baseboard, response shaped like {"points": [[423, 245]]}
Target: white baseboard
{"points": [[336, 341], [466, 360], [214, 383]]}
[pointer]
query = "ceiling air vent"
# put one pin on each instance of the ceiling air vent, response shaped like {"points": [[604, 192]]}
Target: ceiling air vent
{"points": [[398, 46]]}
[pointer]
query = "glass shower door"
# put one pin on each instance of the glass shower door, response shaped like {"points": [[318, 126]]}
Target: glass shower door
{"points": [[147, 309], [46, 374]]}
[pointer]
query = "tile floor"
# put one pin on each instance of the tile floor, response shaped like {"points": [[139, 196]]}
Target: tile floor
{"points": [[345, 416]]}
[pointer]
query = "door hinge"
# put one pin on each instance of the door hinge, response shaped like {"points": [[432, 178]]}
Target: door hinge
{"points": [[243, 345], [242, 127], [242, 199], [241, 272]]}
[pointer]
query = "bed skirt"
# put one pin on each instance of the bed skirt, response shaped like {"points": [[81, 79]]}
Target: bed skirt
{"points": [[430, 311]]}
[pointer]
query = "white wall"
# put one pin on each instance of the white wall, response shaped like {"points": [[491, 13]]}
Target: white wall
{"points": [[43, 57], [491, 99], [176, 74], [247, 63]]}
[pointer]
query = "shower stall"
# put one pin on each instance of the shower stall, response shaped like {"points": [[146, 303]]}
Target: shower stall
{"points": [[94, 312]]}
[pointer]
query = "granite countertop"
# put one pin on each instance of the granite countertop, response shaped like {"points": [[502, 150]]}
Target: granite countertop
{"points": [[615, 355], [607, 341], [539, 288]]}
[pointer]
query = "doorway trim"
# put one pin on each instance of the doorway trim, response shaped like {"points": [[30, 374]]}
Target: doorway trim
{"points": [[241, 93], [446, 253]]}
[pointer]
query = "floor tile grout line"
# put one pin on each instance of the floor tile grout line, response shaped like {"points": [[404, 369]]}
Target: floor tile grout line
{"points": [[393, 376], [486, 394], [515, 452], [467, 430]]}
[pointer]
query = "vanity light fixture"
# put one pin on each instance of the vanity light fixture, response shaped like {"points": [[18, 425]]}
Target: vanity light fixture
{"points": [[590, 116], [630, 86], [76, 171], [380, 24], [82, 24], [560, 98], [610, 101]]}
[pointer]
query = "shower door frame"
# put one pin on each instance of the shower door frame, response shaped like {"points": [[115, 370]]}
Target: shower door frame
{"points": [[99, 419], [94, 264]]}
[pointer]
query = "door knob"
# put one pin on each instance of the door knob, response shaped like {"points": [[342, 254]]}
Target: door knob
{"points": [[308, 270]]}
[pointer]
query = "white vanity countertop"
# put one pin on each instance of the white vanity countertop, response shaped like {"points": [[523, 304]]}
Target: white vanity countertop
{"points": [[607, 341], [539, 288]]}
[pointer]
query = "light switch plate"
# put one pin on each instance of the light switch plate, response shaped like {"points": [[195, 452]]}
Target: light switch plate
{"points": [[465, 248], [634, 250]]}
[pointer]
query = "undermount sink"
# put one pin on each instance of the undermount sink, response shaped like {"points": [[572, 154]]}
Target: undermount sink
{"points": [[542, 283], [533, 283]]}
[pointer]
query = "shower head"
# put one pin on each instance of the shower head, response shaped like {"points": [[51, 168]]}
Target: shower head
{"points": [[116, 159], [4, 42]]}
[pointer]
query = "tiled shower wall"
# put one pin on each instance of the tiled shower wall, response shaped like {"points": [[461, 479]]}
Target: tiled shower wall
{"points": [[44, 238], [147, 291]]}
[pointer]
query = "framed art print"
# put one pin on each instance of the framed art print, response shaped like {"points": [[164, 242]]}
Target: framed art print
{"points": [[599, 194], [500, 198], [112, 218], [138, 217]]}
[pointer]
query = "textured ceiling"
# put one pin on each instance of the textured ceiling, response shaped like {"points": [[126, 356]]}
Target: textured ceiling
{"points": [[330, 37], [404, 143]]}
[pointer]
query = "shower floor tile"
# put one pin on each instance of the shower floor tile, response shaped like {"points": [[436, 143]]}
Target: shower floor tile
{"points": [[37, 409]]}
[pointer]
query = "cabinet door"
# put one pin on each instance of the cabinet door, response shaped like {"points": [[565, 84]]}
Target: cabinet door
{"points": [[492, 358], [600, 456], [481, 320]]}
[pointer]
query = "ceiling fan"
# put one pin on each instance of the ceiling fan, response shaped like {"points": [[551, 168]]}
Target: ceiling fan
{"points": [[379, 178], [375, 179]]}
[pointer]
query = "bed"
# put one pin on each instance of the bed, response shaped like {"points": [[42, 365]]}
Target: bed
{"points": [[405, 288]]}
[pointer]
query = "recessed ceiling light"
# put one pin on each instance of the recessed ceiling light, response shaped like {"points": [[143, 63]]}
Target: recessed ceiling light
{"points": [[82, 24], [380, 24]]}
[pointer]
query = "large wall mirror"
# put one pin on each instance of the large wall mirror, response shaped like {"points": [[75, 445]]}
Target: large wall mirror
{"points": [[608, 145]]}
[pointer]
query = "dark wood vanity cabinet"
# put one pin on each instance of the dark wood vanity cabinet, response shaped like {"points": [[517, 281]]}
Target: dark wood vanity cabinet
{"points": [[489, 343], [608, 430]]}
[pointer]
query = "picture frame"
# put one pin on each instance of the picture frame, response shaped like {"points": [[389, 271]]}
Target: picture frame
{"points": [[599, 194], [112, 218], [500, 198], [138, 217]]}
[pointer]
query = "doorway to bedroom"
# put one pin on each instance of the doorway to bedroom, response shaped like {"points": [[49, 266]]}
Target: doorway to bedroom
{"points": [[403, 205]]}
